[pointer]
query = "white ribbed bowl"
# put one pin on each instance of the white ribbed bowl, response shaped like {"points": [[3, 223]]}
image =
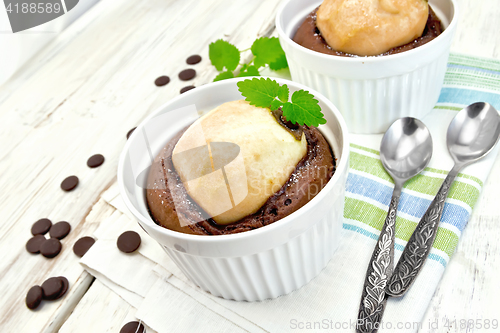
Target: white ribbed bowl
{"points": [[370, 92], [254, 265]]}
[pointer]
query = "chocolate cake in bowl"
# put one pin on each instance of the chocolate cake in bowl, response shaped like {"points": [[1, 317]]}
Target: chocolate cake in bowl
{"points": [[371, 90], [248, 256], [309, 36]]}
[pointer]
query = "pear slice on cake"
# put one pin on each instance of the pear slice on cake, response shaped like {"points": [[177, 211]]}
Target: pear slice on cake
{"points": [[248, 157]]}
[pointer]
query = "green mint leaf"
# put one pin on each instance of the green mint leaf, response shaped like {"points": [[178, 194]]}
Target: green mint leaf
{"points": [[259, 92], [224, 76], [303, 109], [223, 54], [288, 112], [262, 92], [266, 51], [249, 71], [276, 104], [283, 93], [278, 64]]}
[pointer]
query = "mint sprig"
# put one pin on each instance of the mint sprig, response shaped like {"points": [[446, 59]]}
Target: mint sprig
{"points": [[226, 57], [224, 75], [268, 51], [303, 109]]}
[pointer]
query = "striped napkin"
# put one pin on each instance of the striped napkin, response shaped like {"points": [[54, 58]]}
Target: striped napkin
{"points": [[369, 188], [169, 302]]}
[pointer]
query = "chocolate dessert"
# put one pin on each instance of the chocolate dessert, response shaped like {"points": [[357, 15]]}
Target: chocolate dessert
{"points": [[309, 36], [165, 191]]}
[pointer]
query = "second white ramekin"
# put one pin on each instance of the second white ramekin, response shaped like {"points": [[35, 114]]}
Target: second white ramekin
{"points": [[371, 92], [253, 265]]}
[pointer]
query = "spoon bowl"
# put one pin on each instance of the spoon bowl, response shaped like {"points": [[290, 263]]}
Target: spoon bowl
{"points": [[406, 148], [473, 132]]}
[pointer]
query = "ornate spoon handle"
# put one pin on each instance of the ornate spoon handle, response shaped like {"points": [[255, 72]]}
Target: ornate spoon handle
{"points": [[373, 298], [420, 243]]}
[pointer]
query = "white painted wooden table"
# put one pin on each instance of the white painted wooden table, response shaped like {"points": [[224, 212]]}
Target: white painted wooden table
{"points": [[83, 93]]}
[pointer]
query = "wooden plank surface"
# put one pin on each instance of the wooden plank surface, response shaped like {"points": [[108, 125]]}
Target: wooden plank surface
{"points": [[100, 310], [83, 93], [80, 97]]}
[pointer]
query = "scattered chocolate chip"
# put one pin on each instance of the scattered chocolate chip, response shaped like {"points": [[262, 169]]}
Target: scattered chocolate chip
{"points": [[83, 245], [41, 227], [34, 297], [132, 327], [129, 133], [287, 202], [52, 287], [33, 244], [162, 80], [69, 183], [187, 88], [187, 74], [129, 241], [50, 247], [95, 160], [60, 230], [65, 287], [193, 60]]}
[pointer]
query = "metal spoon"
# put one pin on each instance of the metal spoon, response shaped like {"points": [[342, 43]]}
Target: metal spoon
{"points": [[405, 151], [471, 135]]}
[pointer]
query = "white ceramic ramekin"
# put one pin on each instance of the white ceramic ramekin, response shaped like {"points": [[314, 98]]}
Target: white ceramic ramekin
{"points": [[254, 265], [370, 92]]}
